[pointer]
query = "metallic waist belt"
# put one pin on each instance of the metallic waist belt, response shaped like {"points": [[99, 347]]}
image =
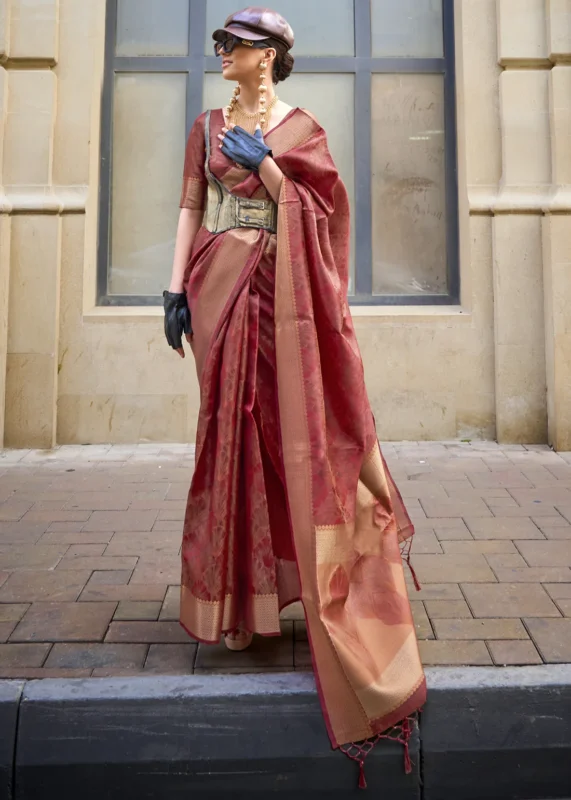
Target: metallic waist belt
{"points": [[225, 211]]}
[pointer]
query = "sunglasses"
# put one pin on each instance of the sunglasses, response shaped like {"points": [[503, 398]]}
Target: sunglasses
{"points": [[225, 46]]}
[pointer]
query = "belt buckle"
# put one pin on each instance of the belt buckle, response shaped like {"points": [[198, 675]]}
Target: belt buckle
{"points": [[251, 213]]}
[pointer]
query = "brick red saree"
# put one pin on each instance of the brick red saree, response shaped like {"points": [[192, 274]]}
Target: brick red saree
{"points": [[291, 498]]}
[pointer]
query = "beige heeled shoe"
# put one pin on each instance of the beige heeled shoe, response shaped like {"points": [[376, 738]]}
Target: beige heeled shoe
{"points": [[238, 639]]}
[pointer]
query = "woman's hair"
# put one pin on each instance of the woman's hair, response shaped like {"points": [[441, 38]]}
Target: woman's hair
{"points": [[283, 63]]}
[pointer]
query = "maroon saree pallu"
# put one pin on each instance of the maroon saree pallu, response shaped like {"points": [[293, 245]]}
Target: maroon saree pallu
{"points": [[291, 497]]}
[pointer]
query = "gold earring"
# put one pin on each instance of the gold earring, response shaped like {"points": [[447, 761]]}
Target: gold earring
{"points": [[233, 100], [263, 89]]}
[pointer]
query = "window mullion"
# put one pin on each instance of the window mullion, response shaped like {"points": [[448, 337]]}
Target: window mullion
{"points": [[197, 33], [363, 222], [106, 157], [363, 28], [450, 156], [363, 197]]}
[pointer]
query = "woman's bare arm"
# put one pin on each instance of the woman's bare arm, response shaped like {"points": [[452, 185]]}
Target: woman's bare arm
{"points": [[271, 176], [189, 223]]}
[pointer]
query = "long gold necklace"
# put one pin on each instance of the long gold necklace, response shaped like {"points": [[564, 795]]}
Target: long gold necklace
{"points": [[250, 119]]}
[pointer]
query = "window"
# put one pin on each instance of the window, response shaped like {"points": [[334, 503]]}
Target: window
{"points": [[378, 74]]}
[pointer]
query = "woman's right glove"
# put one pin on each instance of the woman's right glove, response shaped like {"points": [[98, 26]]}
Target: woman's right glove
{"points": [[244, 148], [177, 318]]}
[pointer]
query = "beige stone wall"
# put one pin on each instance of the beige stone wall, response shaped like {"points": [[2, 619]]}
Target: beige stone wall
{"points": [[498, 364], [69, 372]]}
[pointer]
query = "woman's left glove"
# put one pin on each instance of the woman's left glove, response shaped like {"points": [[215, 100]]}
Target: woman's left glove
{"points": [[177, 318], [244, 148]]}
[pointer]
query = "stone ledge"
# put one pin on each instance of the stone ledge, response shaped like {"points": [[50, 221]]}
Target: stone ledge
{"points": [[362, 315], [43, 199], [549, 199], [523, 62], [486, 732], [27, 62]]}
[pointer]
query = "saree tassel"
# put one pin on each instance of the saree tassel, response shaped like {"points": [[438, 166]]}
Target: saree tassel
{"points": [[406, 732], [407, 761], [417, 585], [358, 753], [406, 548], [362, 779]]}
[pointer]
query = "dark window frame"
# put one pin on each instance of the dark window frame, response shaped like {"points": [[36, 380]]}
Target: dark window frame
{"points": [[362, 66]]}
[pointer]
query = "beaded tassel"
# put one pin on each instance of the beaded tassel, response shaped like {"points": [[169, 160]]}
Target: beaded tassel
{"points": [[233, 101], [263, 89]]}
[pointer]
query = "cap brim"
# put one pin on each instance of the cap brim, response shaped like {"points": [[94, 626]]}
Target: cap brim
{"points": [[238, 30]]}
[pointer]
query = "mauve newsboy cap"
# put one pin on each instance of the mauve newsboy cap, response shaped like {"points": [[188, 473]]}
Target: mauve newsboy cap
{"points": [[255, 23]]}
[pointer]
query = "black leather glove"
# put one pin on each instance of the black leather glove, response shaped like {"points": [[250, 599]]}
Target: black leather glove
{"points": [[177, 317], [245, 149]]}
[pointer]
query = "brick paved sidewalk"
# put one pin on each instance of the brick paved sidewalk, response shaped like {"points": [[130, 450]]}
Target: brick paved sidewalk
{"points": [[89, 560]]}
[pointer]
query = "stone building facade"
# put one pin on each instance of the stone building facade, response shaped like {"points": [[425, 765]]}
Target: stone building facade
{"points": [[496, 363]]}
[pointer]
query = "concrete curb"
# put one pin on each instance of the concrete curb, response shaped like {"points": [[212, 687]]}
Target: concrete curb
{"points": [[10, 696], [213, 736], [497, 733], [489, 732]]}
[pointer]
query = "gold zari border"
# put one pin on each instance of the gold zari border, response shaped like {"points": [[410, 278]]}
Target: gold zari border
{"points": [[193, 194], [206, 619]]}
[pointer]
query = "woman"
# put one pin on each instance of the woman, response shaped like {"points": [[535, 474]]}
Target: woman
{"points": [[291, 498]]}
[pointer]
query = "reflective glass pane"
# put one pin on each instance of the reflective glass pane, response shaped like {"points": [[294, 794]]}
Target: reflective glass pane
{"points": [[321, 27], [148, 151], [407, 28], [152, 27], [330, 98], [409, 209]]}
